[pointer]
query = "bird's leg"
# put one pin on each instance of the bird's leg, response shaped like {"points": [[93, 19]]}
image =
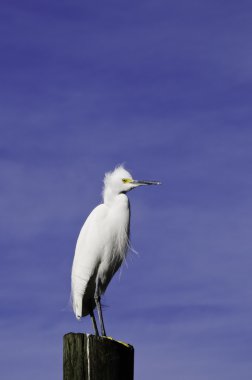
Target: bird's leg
{"points": [[94, 323], [99, 309]]}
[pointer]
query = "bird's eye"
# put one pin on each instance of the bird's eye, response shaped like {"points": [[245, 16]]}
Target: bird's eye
{"points": [[127, 180]]}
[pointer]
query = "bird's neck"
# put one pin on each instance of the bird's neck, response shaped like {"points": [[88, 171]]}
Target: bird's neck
{"points": [[110, 196]]}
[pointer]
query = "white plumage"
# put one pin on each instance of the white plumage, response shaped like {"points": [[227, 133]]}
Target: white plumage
{"points": [[102, 244]]}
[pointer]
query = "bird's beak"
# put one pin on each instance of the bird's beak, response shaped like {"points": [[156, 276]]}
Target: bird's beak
{"points": [[142, 183]]}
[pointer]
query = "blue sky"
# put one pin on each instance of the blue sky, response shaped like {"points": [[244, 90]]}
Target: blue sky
{"points": [[165, 87]]}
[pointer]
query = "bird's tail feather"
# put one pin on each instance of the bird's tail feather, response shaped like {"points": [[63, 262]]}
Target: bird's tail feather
{"points": [[77, 306]]}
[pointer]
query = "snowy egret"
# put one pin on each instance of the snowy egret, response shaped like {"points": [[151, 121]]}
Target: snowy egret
{"points": [[102, 245]]}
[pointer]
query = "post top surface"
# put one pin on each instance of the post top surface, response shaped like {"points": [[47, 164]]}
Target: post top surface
{"points": [[101, 339]]}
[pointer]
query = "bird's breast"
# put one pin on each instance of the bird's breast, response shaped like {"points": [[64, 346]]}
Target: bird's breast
{"points": [[117, 231], [119, 216]]}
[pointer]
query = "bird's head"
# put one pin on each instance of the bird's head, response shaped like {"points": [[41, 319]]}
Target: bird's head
{"points": [[121, 181]]}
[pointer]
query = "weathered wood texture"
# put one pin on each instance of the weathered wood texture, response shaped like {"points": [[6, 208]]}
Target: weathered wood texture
{"points": [[88, 357]]}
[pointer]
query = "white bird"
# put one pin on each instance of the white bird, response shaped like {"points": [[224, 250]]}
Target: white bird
{"points": [[102, 245]]}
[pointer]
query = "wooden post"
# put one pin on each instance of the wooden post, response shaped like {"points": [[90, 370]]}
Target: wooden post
{"points": [[88, 357]]}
